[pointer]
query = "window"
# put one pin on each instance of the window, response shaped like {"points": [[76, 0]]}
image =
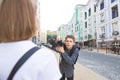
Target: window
{"points": [[81, 38], [114, 11], [89, 22], [102, 5], [72, 31], [113, 1], [85, 35], [85, 24], [102, 17], [103, 29], [102, 35], [76, 28], [85, 15], [94, 8], [94, 19], [115, 26], [89, 12], [72, 25]]}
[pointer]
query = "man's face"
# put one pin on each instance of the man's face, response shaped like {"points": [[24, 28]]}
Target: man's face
{"points": [[69, 43]]}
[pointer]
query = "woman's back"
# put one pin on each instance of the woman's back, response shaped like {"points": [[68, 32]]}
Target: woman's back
{"points": [[42, 65]]}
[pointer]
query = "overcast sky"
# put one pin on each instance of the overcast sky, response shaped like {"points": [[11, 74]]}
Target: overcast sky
{"points": [[54, 13]]}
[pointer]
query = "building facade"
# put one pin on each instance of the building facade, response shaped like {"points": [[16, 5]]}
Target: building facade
{"points": [[108, 22], [96, 24], [36, 38]]}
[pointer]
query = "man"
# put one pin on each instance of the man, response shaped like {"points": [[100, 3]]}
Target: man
{"points": [[69, 53]]}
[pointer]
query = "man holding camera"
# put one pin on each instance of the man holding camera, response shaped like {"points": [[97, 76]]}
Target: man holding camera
{"points": [[69, 53]]}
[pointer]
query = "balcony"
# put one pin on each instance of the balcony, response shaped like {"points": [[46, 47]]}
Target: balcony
{"points": [[102, 35], [115, 33], [89, 36], [101, 20]]}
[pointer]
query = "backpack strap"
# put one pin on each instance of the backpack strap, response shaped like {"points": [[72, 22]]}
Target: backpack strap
{"points": [[22, 60]]}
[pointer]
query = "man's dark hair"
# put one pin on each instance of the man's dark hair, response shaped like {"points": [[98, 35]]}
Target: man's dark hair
{"points": [[70, 36]]}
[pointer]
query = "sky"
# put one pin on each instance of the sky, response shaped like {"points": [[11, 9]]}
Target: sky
{"points": [[54, 13]]}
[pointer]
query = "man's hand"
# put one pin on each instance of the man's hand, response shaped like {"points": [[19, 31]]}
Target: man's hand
{"points": [[60, 49]]}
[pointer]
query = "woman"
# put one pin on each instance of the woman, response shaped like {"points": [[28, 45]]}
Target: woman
{"points": [[17, 27]]}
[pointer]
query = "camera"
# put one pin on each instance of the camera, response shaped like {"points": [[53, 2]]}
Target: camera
{"points": [[59, 43], [55, 43]]}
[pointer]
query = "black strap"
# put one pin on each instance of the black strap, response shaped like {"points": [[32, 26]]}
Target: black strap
{"points": [[22, 61]]}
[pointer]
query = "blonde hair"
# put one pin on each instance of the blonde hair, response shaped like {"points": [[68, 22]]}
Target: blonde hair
{"points": [[17, 20]]}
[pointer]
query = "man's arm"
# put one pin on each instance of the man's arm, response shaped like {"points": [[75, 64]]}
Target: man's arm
{"points": [[71, 59]]}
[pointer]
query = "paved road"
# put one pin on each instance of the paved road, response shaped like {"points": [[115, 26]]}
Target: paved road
{"points": [[81, 72], [105, 65]]}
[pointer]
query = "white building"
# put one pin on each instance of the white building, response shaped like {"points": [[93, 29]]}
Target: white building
{"points": [[95, 23], [108, 21]]}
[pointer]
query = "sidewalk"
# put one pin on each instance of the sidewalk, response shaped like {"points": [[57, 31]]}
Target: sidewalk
{"points": [[101, 51], [83, 73], [97, 50]]}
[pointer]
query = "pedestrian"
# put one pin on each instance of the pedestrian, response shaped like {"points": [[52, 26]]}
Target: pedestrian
{"points": [[69, 54], [17, 27]]}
